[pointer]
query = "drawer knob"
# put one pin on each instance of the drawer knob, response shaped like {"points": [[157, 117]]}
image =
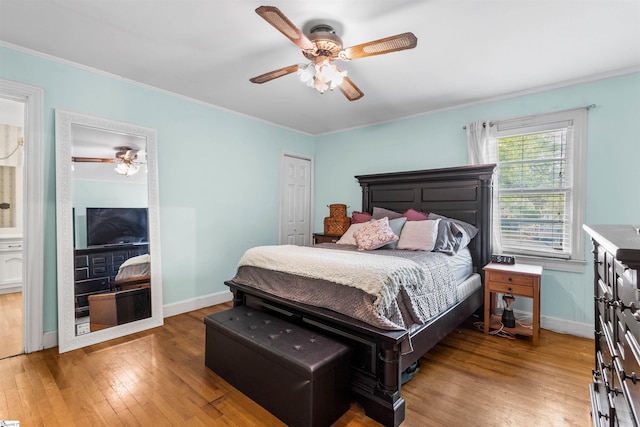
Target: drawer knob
{"points": [[633, 377], [509, 288], [633, 308], [509, 279]]}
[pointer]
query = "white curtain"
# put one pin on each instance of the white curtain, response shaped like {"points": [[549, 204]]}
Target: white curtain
{"points": [[482, 148]]}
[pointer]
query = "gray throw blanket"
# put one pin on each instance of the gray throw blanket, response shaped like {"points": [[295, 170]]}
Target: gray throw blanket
{"points": [[402, 291]]}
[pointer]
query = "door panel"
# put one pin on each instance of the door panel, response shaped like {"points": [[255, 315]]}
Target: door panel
{"points": [[295, 220]]}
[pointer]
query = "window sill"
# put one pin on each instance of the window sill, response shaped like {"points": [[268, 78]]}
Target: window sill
{"points": [[570, 265]]}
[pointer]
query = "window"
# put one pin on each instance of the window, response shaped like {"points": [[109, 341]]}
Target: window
{"points": [[539, 187]]}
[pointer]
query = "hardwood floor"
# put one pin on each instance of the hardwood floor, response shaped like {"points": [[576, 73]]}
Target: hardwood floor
{"points": [[11, 329], [158, 378]]}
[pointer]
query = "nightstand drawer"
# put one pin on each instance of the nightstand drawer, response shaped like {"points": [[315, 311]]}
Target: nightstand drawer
{"points": [[511, 288], [511, 278]]}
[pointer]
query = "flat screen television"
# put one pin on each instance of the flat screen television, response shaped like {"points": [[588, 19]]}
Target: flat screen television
{"points": [[116, 226]]}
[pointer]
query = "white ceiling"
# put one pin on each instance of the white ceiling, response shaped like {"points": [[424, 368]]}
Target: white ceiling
{"points": [[468, 50]]}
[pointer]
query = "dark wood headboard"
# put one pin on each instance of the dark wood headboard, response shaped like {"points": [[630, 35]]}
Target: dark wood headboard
{"points": [[463, 193]]}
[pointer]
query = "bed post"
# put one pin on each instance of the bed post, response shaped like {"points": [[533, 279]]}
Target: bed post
{"points": [[486, 196], [382, 400], [365, 194]]}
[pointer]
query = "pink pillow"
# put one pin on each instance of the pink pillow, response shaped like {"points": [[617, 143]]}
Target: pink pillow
{"points": [[374, 235], [360, 217], [414, 215]]}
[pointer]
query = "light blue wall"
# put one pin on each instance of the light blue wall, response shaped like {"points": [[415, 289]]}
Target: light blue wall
{"points": [[218, 172], [103, 194], [438, 140]]}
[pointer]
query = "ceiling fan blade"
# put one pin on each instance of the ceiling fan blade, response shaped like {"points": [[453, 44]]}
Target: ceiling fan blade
{"points": [[378, 47], [92, 160], [350, 90], [281, 23], [274, 74]]}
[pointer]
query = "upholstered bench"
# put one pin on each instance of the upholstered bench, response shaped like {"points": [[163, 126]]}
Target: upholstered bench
{"points": [[299, 376]]}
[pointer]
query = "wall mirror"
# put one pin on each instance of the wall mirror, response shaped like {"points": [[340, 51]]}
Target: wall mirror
{"points": [[107, 221]]}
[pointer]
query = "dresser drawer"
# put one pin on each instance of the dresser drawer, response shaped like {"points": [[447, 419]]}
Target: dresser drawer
{"points": [[92, 285], [629, 372], [508, 288], [508, 278]]}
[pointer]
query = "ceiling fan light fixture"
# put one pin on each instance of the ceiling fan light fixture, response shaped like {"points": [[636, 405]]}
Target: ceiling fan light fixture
{"points": [[321, 75], [126, 167]]}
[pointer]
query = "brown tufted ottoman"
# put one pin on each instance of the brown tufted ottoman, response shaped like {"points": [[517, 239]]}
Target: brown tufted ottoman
{"points": [[297, 375]]}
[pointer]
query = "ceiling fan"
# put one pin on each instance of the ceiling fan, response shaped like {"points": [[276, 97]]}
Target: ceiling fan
{"points": [[126, 159], [322, 47]]}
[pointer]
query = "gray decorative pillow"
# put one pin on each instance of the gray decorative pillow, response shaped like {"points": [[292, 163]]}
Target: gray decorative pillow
{"points": [[396, 225], [379, 213], [453, 234]]}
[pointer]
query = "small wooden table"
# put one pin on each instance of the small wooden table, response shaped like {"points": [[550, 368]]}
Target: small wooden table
{"points": [[517, 279], [324, 238]]}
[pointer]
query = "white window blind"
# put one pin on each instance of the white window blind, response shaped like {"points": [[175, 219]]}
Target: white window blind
{"points": [[536, 190]]}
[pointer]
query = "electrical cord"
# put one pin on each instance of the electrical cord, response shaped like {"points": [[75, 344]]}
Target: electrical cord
{"points": [[497, 332]]}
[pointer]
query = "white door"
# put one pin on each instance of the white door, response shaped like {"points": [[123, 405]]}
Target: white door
{"points": [[295, 201]]}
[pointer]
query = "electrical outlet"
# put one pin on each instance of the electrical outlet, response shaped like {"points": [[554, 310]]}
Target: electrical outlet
{"points": [[82, 328]]}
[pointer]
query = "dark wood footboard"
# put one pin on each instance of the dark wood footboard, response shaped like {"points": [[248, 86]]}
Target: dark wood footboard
{"points": [[377, 361]]}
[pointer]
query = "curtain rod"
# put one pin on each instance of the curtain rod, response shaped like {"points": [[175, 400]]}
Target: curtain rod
{"points": [[588, 107]]}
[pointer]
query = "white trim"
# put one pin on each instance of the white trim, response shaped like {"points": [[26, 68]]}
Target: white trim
{"points": [[531, 91], [561, 326], [51, 338], [140, 84], [570, 265], [10, 289], [197, 303], [517, 94], [33, 214]]}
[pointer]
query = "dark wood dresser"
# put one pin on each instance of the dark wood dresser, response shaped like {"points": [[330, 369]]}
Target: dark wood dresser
{"points": [[615, 390], [96, 269]]}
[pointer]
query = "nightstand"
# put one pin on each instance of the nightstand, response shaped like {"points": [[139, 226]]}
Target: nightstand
{"points": [[518, 280], [324, 238]]}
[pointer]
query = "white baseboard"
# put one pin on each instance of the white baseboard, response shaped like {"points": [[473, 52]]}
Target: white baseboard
{"points": [[11, 289], [562, 326], [197, 303], [50, 339]]}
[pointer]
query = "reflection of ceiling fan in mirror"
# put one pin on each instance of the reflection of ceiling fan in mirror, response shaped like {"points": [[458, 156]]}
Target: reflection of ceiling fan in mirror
{"points": [[126, 160], [322, 47]]}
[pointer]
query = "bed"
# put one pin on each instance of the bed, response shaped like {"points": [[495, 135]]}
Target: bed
{"points": [[129, 299], [380, 355], [135, 272]]}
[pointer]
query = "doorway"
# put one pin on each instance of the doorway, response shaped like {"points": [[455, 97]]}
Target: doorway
{"points": [[26, 261], [11, 230], [296, 191]]}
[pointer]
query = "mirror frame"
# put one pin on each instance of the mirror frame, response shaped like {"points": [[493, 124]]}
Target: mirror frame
{"points": [[67, 338]]}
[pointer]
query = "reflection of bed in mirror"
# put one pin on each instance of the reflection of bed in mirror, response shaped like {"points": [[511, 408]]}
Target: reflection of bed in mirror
{"points": [[129, 299]]}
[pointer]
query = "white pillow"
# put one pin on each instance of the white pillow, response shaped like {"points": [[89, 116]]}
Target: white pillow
{"points": [[419, 235], [347, 238]]}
